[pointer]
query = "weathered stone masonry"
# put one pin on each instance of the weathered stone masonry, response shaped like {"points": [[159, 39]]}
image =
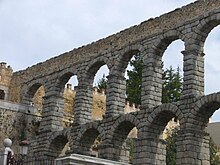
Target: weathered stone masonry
{"points": [[191, 24]]}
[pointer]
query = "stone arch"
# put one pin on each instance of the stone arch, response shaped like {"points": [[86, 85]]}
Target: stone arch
{"points": [[94, 66], [28, 91], [162, 41], [151, 94], [118, 135], [53, 102], [58, 141], [159, 118], [65, 133], [63, 78], [205, 26], [125, 118], [123, 125], [204, 109], [123, 59], [84, 91], [201, 33], [89, 138], [64, 91], [151, 133], [116, 87]]}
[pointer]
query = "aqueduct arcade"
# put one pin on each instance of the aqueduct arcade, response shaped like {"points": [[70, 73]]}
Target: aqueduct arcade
{"points": [[191, 24]]}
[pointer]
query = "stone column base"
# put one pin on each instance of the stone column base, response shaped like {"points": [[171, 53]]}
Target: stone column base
{"points": [[76, 159]]}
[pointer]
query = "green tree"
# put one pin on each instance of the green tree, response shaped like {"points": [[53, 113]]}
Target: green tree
{"points": [[171, 146], [172, 85], [102, 83], [214, 157], [133, 83]]}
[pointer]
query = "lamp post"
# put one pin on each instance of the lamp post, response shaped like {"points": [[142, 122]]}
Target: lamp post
{"points": [[24, 147], [23, 150]]}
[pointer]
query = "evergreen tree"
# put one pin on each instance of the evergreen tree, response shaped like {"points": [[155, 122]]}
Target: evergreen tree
{"points": [[102, 83], [133, 83], [171, 88], [172, 85], [171, 146], [214, 156]]}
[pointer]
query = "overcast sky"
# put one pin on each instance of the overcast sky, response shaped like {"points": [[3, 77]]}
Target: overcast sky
{"points": [[32, 31]]}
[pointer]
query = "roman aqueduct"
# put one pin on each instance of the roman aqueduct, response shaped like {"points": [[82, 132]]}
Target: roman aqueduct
{"points": [[191, 24]]}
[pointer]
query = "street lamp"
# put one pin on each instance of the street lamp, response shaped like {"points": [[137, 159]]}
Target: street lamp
{"points": [[24, 147], [23, 151]]}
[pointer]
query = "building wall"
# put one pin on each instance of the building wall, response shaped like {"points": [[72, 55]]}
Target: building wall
{"points": [[213, 130], [5, 79]]}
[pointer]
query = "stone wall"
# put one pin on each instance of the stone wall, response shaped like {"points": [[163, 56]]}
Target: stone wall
{"points": [[17, 122]]}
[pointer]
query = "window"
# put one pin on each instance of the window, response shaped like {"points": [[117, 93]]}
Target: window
{"points": [[2, 94]]}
